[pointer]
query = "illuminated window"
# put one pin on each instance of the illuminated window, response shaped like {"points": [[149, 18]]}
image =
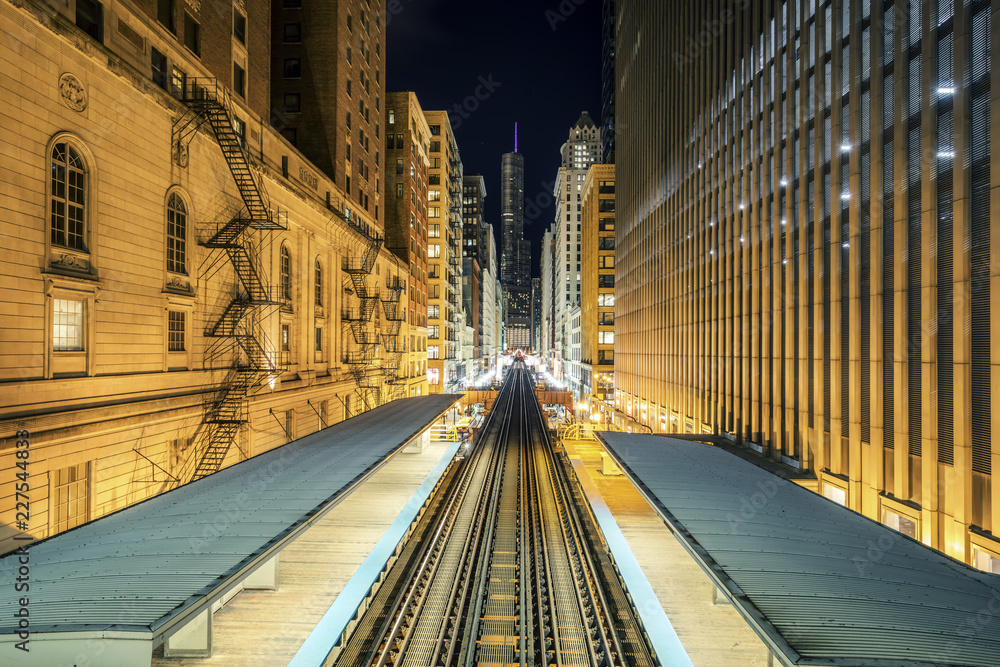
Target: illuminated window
{"points": [[67, 325]]}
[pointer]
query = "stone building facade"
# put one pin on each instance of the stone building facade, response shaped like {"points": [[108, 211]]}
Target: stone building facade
{"points": [[164, 245]]}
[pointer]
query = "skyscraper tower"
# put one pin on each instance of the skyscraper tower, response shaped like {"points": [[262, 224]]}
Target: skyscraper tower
{"points": [[608, 81], [511, 216], [515, 268]]}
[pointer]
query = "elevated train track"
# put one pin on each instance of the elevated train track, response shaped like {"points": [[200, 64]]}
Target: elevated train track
{"points": [[505, 565]]}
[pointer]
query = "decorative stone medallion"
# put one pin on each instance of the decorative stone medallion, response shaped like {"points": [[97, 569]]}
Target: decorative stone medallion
{"points": [[73, 92]]}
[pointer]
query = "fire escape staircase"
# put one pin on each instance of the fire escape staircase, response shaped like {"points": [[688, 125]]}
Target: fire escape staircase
{"points": [[361, 362], [254, 358], [394, 315]]}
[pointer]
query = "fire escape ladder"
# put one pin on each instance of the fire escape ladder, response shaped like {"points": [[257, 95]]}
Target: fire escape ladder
{"points": [[254, 358], [366, 375], [394, 315]]}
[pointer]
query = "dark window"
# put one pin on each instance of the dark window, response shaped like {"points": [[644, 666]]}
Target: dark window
{"points": [[435, 147], [175, 331], [239, 26], [291, 135], [435, 130], [286, 274], [293, 68], [399, 166], [605, 281], [607, 225], [68, 198], [606, 243], [176, 234], [165, 11], [293, 33], [319, 284], [159, 64], [293, 103], [606, 206], [239, 80], [399, 141], [192, 34], [292, 4], [90, 18]]}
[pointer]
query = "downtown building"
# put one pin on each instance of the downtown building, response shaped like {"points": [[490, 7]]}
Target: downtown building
{"points": [[805, 249], [445, 315], [581, 150], [164, 318], [407, 211], [597, 301], [474, 247], [515, 261]]}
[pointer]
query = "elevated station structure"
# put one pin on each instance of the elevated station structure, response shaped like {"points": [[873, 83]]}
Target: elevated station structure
{"points": [[119, 587]]}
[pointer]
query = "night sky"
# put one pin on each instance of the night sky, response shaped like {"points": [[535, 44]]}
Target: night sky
{"points": [[537, 62]]}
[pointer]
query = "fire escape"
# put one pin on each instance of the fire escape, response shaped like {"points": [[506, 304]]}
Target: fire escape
{"points": [[394, 309], [253, 359], [361, 361]]}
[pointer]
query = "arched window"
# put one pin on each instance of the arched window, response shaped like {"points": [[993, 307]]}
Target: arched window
{"points": [[176, 234], [319, 284], [68, 198], [286, 274]]}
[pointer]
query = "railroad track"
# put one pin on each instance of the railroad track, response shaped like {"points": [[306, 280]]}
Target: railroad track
{"points": [[504, 566]]}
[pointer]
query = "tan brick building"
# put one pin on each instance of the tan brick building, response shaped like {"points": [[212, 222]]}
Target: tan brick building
{"points": [[597, 302], [407, 140], [175, 271], [444, 250]]}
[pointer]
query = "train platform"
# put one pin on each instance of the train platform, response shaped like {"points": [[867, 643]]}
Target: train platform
{"points": [[818, 583], [285, 530], [710, 631]]}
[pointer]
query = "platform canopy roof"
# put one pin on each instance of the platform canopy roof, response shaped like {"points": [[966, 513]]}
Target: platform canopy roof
{"points": [[155, 565], [821, 584]]}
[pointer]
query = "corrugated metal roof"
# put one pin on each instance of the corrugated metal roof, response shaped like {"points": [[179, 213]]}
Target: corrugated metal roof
{"points": [[150, 566], [823, 585]]}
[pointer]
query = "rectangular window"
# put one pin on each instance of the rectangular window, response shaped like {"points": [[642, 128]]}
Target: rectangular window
{"points": [[293, 68], [605, 281], [399, 165], [434, 331], [293, 33], [178, 82], [434, 231], [834, 493], [606, 243], [67, 325], [319, 339], [434, 250], [606, 262], [435, 147], [607, 225], [175, 331], [434, 212], [192, 34], [392, 116], [165, 12], [70, 497], [606, 337], [239, 80], [432, 352], [158, 62], [433, 312], [293, 103], [434, 195], [239, 26], [286, 343], [90, 18], [435, 130], [399, 190], [903, 524]]}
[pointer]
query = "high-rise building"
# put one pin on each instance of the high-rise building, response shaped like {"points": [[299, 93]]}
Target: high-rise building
{"points": [[511, 218], [547, 331], [608, 81], [490, 340], [406, 176], [807, 248], [597, 303], [444, 254], [536, 314], [474, 247], [327, 89], [516, 260], [581, 150]]}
